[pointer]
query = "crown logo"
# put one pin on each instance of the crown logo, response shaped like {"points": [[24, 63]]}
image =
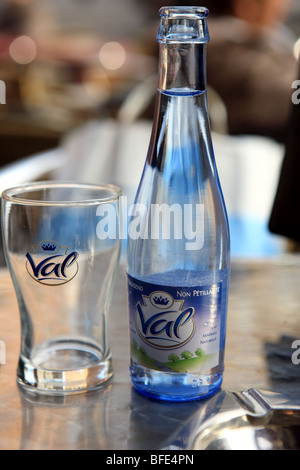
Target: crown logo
{"points": [[160, 300], [48, 247]]}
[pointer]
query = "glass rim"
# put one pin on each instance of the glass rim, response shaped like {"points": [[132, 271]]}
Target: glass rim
{"points": [[14, 194], [184, 11]]}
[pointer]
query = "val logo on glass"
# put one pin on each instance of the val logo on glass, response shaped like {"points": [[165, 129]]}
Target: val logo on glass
{"points": [[50, 264]]}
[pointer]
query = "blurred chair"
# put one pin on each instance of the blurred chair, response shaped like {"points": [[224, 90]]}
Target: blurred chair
{"points": [[38, 167], [112, 152]]}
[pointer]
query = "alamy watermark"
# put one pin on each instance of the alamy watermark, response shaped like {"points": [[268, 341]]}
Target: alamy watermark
{"points": [[296, 93], [2, 352], [2, 92], [296, 353], [156, 222]]}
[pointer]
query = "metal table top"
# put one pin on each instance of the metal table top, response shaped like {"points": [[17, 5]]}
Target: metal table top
{"points": [[263, 322]]}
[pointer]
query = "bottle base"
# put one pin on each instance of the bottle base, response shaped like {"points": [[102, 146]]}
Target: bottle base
{"points": [[173, 386], [64, 367]]}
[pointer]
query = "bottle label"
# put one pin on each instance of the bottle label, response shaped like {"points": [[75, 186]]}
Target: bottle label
{"points": [[175, 329]]}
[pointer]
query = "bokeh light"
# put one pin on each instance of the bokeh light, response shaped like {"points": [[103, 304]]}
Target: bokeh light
{"points": [[23, 50], [112, 55]]}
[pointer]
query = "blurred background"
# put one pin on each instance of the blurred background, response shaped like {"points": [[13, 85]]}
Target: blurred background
{"points": [[64, 62], [80, 81]]}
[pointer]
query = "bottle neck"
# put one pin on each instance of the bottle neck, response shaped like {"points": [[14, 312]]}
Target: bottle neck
{"points": [[182, 67], [183, 35]]}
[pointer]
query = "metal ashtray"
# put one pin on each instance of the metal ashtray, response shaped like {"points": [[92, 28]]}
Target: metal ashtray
{"points": [[248, 420]]}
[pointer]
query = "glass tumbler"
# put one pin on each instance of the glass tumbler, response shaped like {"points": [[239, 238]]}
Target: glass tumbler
{"points": [[62, 247]]}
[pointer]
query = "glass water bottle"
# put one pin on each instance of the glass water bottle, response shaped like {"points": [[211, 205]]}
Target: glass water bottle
{"points": [[178, 237]]}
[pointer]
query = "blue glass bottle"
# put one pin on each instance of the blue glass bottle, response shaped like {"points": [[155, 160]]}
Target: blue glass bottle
{"points": [[178, 238]]}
